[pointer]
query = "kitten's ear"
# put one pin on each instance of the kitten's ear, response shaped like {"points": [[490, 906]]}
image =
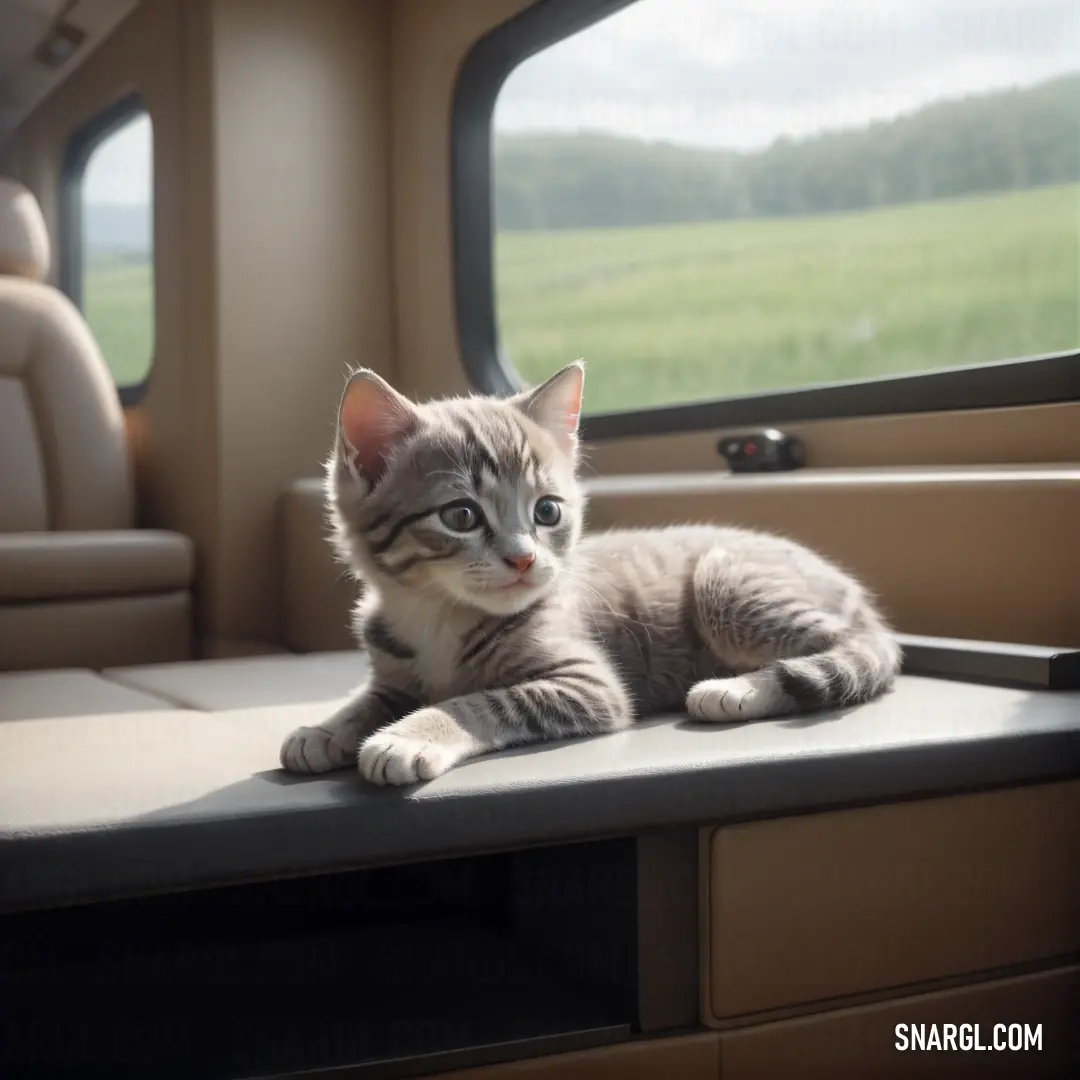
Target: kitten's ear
{"points": [[556, 404], [372, 419]]}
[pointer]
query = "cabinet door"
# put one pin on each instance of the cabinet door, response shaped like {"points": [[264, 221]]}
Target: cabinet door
{"points": [[804, 909]]}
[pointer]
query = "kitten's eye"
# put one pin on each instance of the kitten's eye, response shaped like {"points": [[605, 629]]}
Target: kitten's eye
{"points": [[547, 511], [461, 516]]}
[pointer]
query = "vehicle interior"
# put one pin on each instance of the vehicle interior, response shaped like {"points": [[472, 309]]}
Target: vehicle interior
{"points": [[823, 265]]}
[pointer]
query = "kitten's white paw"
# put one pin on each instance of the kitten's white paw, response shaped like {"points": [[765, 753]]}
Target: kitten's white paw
{"points": [[744, 697], [417, 748], [318, 750]]}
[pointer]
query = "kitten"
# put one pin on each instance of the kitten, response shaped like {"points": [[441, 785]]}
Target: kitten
{"points": [[491, 622]]}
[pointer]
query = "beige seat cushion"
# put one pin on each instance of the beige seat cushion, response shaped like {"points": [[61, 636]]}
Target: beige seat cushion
{"points": [[151, 628], [62, 438], [63, 452], [248, 683], [65, 565], [24, 239], [33, 695]]}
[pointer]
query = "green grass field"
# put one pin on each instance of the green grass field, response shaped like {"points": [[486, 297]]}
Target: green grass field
{"points": [[678, 313], [118, 301]]}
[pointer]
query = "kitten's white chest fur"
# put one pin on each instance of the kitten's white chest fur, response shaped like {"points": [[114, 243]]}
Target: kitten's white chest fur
{"points": [[435, 638], [437, 662]]}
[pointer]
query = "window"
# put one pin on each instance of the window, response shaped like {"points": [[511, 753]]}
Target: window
{"points": [[713, 200], [109, 238]]}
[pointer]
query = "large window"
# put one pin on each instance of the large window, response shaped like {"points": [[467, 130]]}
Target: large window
{"points": [[110, 250], [708, 199]]}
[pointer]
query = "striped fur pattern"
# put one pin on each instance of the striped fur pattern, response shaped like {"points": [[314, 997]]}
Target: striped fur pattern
{"points": [[491, 621]]}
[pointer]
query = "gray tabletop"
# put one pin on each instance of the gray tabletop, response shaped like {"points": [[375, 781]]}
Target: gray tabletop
{"points": [[103, 806]]}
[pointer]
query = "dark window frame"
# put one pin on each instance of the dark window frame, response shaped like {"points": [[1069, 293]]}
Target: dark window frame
{"points": [[1036, 380], [80, 147]]}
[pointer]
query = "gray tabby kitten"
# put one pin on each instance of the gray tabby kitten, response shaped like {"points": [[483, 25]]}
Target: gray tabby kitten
{"points": [[491, 622]]}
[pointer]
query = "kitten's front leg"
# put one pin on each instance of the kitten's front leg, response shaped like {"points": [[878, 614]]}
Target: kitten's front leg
{"points": [[333, 743], [571, 698]]}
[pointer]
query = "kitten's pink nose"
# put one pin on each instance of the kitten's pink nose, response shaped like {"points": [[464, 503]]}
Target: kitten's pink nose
{"points": [[520, 563]]}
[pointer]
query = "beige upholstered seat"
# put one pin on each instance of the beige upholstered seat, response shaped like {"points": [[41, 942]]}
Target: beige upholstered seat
{"points": [[79, 584]]}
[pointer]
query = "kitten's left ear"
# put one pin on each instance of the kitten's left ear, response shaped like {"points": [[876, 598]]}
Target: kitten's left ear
{"points": [[556, 404]]}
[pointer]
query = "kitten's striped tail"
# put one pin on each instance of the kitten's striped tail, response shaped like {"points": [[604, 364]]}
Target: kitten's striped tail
{"points": [[856, 669]]}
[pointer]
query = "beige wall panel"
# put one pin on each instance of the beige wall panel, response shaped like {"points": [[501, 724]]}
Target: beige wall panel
{"points": [[861, 1042], [964, 553], [301, 143], [807, 908], [430, 40], [1018, 586]]}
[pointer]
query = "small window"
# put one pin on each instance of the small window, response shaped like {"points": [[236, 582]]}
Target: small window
{"points": [[709, 199], [111, 261]]}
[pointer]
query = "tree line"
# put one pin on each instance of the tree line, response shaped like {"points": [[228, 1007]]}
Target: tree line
{"points": [[990, 142]]}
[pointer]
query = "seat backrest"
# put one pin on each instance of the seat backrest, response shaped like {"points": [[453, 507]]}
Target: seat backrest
{"points": [[64, 462]]}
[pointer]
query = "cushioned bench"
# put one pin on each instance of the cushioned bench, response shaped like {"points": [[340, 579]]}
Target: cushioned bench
{"points": [[214, 685], [205, 685], [33, 695], [175, 785]]}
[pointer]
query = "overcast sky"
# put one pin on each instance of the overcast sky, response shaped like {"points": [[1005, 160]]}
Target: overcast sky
{"points": [[119, 170], [739, 74]]}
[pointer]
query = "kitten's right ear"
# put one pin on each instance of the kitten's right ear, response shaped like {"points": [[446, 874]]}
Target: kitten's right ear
{"points": [[556, 404], [372, 419]]}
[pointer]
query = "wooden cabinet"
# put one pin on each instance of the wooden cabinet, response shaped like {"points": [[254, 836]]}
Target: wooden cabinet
{"points": [[810, 908]]}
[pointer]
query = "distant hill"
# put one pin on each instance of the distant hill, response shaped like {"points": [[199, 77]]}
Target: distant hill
{"points": [[112, 229], [983, 143]]}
